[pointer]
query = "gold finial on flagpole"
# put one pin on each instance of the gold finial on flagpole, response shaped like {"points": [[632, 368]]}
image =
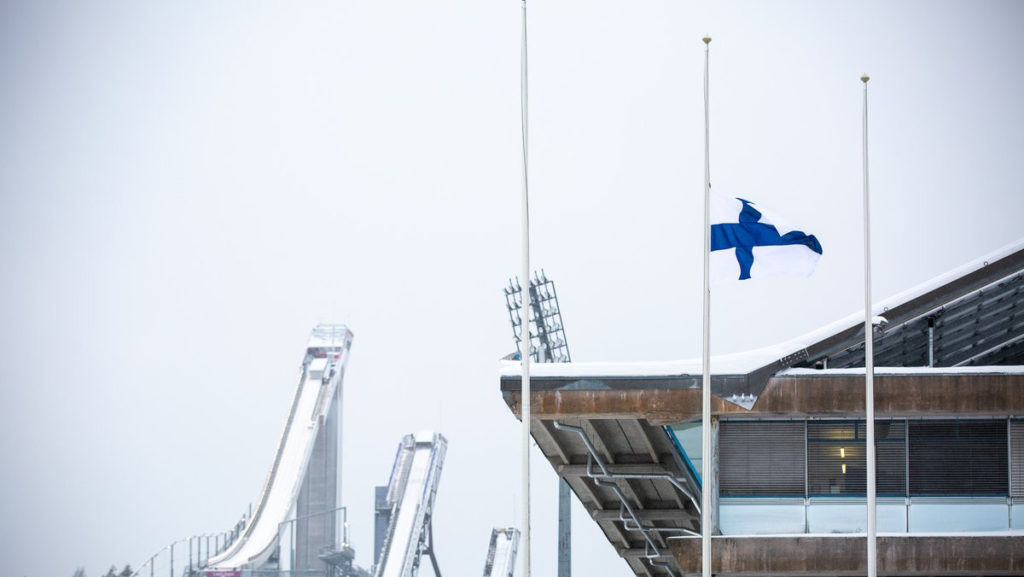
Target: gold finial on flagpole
{"points": [[864, 78], [706, 39]]}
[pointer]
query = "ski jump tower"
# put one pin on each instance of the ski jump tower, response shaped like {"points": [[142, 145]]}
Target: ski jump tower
{"points": [[298, 524]]}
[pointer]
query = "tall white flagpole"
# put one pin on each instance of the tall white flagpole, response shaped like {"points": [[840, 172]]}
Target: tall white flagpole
{"points": [[524, 312], [869, 359], [706, 488]]}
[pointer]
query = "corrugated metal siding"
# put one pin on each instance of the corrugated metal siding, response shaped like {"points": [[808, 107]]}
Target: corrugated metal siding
{"points": [[1017, 458], [958, 458], [761, 457]]}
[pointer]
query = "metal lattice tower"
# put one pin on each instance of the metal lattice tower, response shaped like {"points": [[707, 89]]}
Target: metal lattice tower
{"points": [[547, 332]]}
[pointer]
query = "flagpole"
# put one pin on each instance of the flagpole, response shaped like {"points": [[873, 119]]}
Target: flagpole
{"points": [[869, 360], [524, 312], [705, 501]]}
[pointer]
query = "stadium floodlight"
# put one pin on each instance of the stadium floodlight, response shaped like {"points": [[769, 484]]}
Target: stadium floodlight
{"points": [[547, 333]]}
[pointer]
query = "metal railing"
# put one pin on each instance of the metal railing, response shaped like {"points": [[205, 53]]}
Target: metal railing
{"points": [[190, 553], [630, 521], [189, 556]]}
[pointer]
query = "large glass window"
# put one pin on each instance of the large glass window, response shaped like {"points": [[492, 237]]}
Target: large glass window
{"points": [[945, 458], [958, 458], [761, 457], [837, 458], [688, 435]]}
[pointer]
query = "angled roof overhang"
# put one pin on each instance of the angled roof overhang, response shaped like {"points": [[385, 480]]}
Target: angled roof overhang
{"points": [[971, 316]]}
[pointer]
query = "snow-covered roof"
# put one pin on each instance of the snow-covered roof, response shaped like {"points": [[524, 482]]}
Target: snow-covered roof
{"points": [[994, 370], [749, 361]]}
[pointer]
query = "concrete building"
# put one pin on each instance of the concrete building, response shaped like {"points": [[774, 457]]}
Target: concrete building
{"points": [[788, 441]]}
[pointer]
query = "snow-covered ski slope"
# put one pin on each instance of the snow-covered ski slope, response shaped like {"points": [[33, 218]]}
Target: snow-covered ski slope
{"points": [[411, 491], [322, 371]]}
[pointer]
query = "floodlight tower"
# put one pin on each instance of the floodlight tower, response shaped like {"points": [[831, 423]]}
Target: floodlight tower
{"points": [[547, 332], [547, 344]]}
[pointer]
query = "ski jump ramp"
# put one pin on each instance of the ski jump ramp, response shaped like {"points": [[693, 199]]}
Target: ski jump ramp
{"points": [[297, 528], [501, 553], [298, 502], [409, 505]]}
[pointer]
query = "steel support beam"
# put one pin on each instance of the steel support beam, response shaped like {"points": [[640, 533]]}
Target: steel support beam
{"points": [[564, 529], [647, 515]]}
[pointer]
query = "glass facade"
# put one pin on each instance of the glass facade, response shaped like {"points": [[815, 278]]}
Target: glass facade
{"points": [[809, 476], [828, 458]]}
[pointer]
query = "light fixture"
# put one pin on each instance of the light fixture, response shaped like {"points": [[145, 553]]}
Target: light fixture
{"points": [[844, 468], [842, 455]]}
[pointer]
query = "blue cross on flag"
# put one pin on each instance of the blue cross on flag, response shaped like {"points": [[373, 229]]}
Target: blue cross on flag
{"points": [[747, 243]]}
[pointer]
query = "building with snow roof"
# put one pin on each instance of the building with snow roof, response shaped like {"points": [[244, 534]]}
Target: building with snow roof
{"points": [[788, 441]]}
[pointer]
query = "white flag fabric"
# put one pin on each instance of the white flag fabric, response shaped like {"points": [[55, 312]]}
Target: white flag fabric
{"points": [[748, 243]]}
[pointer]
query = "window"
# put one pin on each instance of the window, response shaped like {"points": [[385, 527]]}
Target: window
{"points": [[945, 457], [890, 458], [837, 458], [958, 458], [1017, 458], [688, 436], [761, 457]]}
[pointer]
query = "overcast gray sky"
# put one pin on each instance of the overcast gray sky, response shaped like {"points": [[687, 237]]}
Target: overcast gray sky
{"points": [[188, 187]]}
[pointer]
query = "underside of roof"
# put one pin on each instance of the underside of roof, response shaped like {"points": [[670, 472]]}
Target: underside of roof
{"points": [[630, 479]]}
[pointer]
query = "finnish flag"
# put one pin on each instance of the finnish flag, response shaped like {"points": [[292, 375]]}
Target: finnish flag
{"points": [[746, 243]]}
